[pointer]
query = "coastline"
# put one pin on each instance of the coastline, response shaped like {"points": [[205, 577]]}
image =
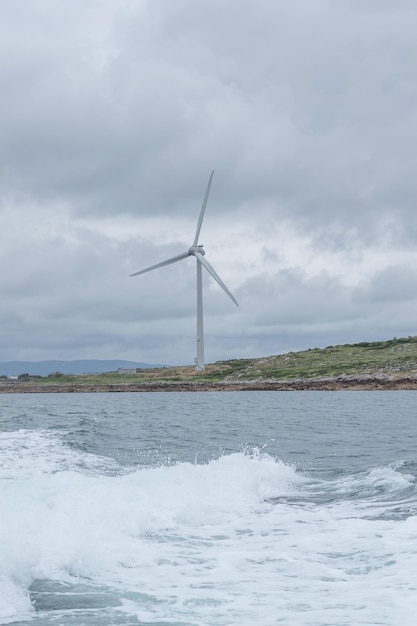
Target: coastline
{"points": [[348, 383]]}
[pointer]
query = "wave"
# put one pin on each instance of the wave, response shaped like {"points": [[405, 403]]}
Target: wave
{"points": [[82, 526], [67, 513]]}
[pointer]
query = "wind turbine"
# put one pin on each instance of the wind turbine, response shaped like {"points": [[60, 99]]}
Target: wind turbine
{"points": [[196, 250]]}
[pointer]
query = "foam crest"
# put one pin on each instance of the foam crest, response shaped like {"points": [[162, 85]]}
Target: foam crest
{"points": [[25, 453], [59, 523], [14, 601], [198, 493], [384, 481]]}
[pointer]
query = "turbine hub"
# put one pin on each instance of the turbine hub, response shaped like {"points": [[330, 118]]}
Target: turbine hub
{"points": [[198, 249]]}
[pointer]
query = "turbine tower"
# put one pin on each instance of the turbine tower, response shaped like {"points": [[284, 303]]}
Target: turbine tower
{"points": [[196, 250]]}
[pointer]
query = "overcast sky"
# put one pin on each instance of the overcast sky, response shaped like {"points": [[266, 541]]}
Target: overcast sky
{"points": [[113, 115]]}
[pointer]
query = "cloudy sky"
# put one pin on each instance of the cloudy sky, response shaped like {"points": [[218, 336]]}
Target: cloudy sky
{"points": [[113, 115]]}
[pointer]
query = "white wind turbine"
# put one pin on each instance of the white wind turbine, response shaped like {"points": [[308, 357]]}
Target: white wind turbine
{"points": [[198, 252]]}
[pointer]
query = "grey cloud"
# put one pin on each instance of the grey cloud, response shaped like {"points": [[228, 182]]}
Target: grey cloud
{"points": [[305, 110], [287, 306], [290, 298], [393, 284], [298, 120]]}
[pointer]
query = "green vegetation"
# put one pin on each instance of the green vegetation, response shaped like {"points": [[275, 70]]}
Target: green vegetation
{"points": [[394, 358]]}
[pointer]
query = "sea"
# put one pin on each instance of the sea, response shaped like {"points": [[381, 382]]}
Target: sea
{"points": [[209, 509]]}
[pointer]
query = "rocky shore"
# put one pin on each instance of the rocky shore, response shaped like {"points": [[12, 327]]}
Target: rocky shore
{"points": [[347, 383]]}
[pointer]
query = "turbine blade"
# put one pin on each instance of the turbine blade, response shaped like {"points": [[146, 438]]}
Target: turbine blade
{"points": [[173, 259], [217, 278], [203, 209]]}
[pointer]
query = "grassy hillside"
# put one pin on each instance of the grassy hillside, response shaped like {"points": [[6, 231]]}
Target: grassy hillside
{"points": [[393, 358]]}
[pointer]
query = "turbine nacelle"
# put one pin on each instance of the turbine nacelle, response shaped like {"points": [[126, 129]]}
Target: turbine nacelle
{"points": [[198, 249]]}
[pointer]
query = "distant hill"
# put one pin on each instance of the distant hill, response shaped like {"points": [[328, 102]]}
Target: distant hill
{"points": [[82, 366]]}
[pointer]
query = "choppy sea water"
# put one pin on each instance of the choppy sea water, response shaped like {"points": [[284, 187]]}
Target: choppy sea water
{"points": [[206, 509]]}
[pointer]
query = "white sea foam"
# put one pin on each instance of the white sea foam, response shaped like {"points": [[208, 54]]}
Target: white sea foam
{"points": [[26, 453], [235, 541]]}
